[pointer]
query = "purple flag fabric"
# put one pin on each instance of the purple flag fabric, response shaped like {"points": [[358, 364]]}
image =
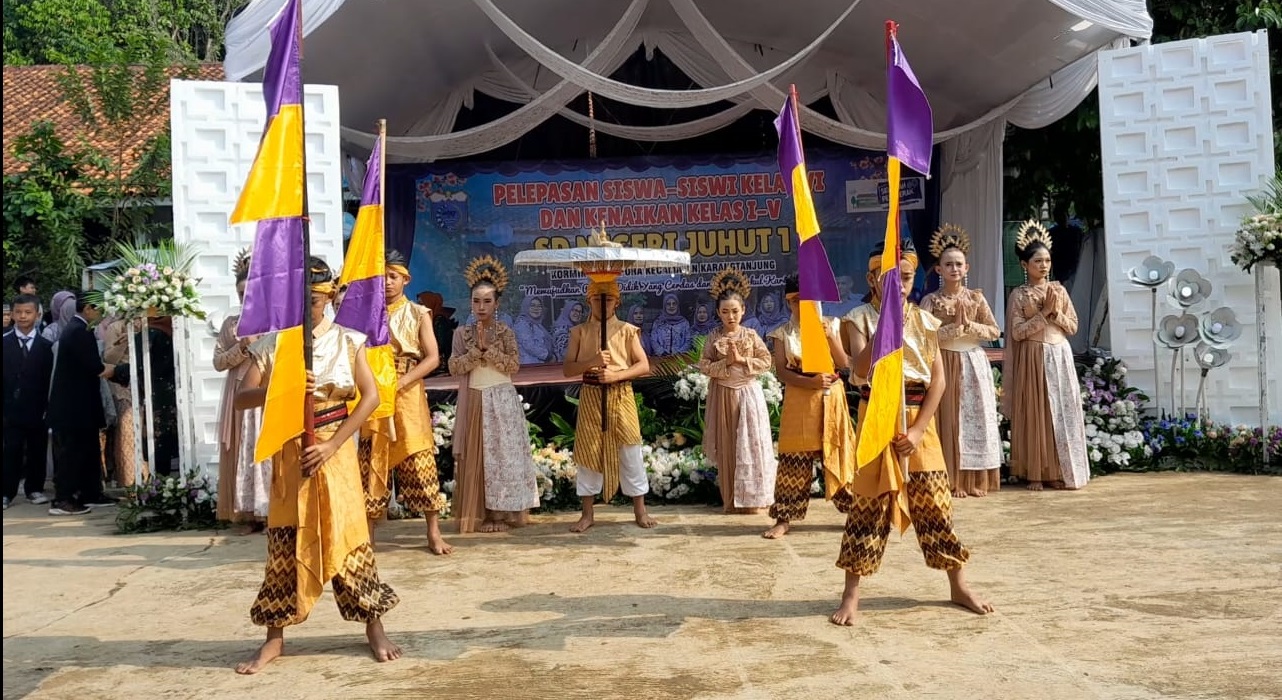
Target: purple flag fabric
{"points": [[909, 123], [814, 272], [890, 324], [364, 304], [282, 79], [274, 289]]}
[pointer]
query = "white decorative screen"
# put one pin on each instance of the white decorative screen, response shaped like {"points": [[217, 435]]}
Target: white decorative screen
{"points": [[1186, 134], [216, 128]]}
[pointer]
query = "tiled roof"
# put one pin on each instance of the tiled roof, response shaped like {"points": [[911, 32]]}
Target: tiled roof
{"points": [[34, 93]]}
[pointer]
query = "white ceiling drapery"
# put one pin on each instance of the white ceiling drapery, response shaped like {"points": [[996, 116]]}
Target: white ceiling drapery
{"points": [[983, 64]]}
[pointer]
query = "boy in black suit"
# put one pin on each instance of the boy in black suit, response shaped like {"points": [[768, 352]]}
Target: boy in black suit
{"points": [[76, 415], [28, 365]]}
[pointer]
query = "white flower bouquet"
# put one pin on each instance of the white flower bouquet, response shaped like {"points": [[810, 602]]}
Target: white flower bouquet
{"points": [[152, 281], [1259, 238]]}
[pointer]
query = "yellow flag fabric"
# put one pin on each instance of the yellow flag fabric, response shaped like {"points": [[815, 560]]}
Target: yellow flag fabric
{"points": [[816, 357], [274, 187], [286, 392]]}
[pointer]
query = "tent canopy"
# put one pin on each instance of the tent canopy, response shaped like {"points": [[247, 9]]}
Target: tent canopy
{"points": [[416, 62], [982, 63]]}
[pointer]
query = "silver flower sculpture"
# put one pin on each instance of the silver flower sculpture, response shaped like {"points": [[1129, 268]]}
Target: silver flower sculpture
{"points": [[1210, 357], [1190, 288], [1220, 327], [1152, 272], [1177, 331]]}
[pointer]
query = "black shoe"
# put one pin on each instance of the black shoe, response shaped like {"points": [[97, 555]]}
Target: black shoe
{"points": [[67, 508], [101, 502]]}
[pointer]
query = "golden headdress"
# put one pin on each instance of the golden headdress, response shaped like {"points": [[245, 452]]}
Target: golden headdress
{"points": [[1032, 232], [240, 266], [949, 236], [320, 276], [729, 280], [486, 269]]}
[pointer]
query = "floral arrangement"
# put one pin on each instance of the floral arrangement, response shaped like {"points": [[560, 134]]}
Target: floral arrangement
{"points": [[166, 503], [1113, 427], [152, 281], [1259, 237], [443, 427]]}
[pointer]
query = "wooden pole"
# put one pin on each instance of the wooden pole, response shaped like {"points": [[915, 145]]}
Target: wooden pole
{"points": [[892, 30], [309, 401]]}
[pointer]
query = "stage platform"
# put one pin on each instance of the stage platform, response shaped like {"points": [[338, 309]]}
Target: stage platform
{"points": [[549, 375]]}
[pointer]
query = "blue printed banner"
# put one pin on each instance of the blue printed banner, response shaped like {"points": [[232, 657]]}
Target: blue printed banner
{"points": [[731, 210]]}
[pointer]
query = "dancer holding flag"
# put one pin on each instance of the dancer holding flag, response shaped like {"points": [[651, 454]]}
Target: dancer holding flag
{"points": [[902, 477], [815, 422], [311, 368]]}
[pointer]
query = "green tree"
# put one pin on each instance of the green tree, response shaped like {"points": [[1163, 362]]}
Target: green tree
{"points": [[45, 207], [76, 32], [1059, 166]]}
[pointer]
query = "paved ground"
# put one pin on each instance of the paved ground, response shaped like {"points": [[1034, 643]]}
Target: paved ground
{"points": [[1138, 587]]}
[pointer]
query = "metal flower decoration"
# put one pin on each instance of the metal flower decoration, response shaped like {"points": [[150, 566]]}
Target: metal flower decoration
{"points": [[1190, 288], [1219, 328], [1209, 357], [1177, 331], [1152, 272]]}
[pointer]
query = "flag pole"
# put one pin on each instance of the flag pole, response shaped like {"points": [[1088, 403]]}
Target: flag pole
{"points": [[892, 30], [309, 401]]}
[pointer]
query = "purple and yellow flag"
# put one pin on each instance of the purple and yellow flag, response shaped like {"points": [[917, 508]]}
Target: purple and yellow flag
{"points": [[909, 132], [814, 273], [273, 196], [364, 306]]}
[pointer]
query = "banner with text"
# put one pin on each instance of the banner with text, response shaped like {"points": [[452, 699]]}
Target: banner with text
{"points": [[724, 211]]}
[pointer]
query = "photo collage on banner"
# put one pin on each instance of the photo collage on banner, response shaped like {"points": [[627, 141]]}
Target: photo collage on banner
{"points": [[731, 210]]}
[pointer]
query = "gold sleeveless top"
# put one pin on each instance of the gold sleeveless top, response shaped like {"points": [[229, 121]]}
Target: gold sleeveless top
{"points": [[404, 318], [334, 351], [921, 340]]}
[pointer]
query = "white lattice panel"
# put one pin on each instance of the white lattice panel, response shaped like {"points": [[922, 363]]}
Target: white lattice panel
{"points": [[216, 128], [1186, 134]]}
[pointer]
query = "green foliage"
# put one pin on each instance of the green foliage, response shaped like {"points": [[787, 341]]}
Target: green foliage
{"points": [[44, 209], [564, 437], [85, 32]]}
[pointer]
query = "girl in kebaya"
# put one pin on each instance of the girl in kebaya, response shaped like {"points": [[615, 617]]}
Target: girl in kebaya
{"points": [[737, 434]]}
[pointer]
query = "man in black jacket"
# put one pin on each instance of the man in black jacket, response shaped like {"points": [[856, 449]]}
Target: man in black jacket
{"points": [[76, 415], [28, 364]]}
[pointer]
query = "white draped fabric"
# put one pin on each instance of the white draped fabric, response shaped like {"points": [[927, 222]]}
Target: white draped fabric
{"points": [[983, 64]]}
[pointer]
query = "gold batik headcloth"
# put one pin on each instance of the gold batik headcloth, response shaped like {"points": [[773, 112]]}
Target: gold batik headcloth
{"points": [[874, 260], [399, 269], [608, 288]]}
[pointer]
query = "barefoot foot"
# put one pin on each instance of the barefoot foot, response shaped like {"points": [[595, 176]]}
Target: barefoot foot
{"points": [[644, 521], [494, 526], [781, 528], [384, 649], [437, 545], [519, 519], [586, 521], [963, 596], [977, 493], [848, 610], [267, 653], [1034, 486], [959, 493]]}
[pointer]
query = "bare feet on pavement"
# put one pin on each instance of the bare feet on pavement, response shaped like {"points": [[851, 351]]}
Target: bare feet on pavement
{"points": [[384, 649], [584, 522], [963, 596], [848, 610], [267, 653], [780, 529]]}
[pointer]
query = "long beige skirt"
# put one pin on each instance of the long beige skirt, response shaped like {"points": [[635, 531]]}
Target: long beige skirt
{"points": [[968, 429]]}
